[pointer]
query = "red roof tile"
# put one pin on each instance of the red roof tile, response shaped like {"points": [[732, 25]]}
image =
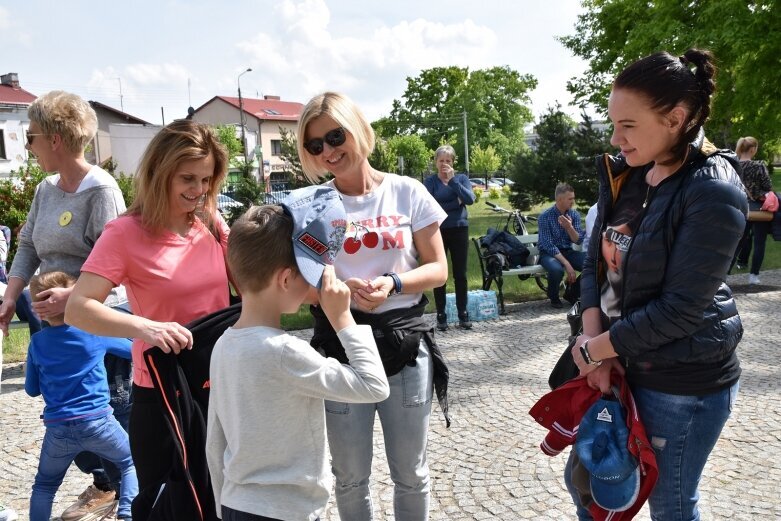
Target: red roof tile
{"points": [[265, 109], [16, 96]]}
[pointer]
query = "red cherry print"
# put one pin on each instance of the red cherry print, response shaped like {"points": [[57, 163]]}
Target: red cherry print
{"points": [[370, 239], [351, 245]]}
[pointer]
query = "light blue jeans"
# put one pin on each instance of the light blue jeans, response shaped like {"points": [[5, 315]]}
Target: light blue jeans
{"points": [[683, 431], [404, 416], [62, 441]]}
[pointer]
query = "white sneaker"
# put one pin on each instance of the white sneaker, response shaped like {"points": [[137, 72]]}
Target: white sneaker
{"points": [[753, 279], [8, 514]]}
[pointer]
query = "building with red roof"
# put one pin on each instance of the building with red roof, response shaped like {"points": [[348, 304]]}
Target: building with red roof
{"points": [[262, 119], [14, 101]]}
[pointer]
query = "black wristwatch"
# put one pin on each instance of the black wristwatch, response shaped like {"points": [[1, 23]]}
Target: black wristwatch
{"points": [[586, 356]]}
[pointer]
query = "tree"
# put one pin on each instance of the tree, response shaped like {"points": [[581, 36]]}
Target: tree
{"points": [[16, 198], [484, 160], [495, 102], [414, 151], [743, 35], [292, 161], [564, 152]]}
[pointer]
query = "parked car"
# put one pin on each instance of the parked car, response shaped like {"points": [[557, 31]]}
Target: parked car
{"points": [[479, 182], [503, 181], [225, 204]]}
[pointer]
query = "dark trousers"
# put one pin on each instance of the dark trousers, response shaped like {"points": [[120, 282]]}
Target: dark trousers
{"points": [[456, 242], [760, 230], [556, 270], [228, 514], [150, 444]]}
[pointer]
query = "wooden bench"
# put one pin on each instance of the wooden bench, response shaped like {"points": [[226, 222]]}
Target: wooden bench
{"points": [[531, 269]]}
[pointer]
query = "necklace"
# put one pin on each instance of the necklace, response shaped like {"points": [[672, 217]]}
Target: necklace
{"points": [[648, 191]]}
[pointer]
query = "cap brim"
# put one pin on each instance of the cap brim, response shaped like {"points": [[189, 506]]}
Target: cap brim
{"points": [[618, 496], [311, 270]]}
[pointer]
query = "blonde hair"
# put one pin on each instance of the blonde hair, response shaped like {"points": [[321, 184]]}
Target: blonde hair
{"points": [[745, 144], [49, 280], [346, 113], [179, 141], [66, 115], [259, 244]]}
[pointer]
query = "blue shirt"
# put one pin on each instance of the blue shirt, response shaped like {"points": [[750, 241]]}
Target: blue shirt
{"points": [[553, 238], [448, 195], [65, 365]]}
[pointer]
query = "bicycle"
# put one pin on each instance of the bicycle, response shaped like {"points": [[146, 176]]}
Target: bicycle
{"points": [[514, 218]]}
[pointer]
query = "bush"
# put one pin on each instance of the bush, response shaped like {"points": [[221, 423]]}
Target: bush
{"points": [[16, 197], [127, 186], [478, 192], [506, 190], [493, 193]]}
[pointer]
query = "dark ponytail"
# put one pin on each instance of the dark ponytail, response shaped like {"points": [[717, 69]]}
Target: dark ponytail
{"points": [[667, 81]]}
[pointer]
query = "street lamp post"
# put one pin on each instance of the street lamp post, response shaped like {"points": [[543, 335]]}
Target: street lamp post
{"points": [[241, 117]]}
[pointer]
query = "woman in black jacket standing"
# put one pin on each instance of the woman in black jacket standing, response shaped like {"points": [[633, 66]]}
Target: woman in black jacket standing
{"points": [[656, 308]]}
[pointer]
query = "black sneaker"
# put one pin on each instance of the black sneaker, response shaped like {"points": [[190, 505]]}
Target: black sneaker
{"points": [[463, 320], [442, 321], [556, 303]]}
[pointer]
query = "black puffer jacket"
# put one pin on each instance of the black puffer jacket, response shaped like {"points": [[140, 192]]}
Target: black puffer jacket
{"points": [[678, 317]]}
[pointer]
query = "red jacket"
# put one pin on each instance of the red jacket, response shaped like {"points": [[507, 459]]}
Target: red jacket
{"points": [[561, 410]]}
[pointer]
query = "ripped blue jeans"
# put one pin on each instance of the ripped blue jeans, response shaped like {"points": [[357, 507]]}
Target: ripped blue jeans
{"points": [[683, 431]]}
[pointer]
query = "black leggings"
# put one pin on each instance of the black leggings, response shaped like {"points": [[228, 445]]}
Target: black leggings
{"points": [[150, 444], [456, 241]]}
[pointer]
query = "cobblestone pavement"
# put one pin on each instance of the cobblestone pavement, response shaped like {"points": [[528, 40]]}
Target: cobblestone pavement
{"points": [[488, 465]]}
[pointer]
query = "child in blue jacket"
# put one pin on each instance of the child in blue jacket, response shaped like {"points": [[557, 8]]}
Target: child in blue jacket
{"points": [[65, 365]]}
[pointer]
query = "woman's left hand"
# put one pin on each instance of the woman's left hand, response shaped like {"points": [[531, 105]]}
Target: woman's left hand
{"points": [[51, 302], [368, 295], [599, 377]]}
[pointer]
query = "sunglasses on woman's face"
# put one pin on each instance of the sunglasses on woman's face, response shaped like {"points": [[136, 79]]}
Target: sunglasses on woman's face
{"points": [[334, 138], [31, 137]]}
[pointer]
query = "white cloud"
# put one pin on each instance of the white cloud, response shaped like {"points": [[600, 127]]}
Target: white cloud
{"points": [[5, 18], [302, 55]]}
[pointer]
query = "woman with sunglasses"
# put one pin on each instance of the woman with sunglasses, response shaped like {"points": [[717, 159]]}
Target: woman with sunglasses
{"points": [[67, 215], [392, 252]]}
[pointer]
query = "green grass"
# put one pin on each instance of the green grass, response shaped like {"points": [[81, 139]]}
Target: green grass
{"points": [[481, 217]]}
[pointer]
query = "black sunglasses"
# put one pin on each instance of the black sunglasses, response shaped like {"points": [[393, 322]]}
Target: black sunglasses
{"points": [[31, 137], [334, 138]]}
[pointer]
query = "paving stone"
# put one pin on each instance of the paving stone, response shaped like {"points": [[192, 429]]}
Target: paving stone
{"points": [[488, 465]]}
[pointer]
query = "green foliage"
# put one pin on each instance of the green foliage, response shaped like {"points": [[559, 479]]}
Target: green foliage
{"points": [[565, 153], [495, 101], [494, 193], [226, 134], [381, 157], [16, 197], [127, 186], [484, 160], [478, 192], [743, 35], [248, 192], [292, 161], [506, 190]]}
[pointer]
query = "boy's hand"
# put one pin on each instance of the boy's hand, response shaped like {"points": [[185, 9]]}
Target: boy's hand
{"points": [[335, 300]]}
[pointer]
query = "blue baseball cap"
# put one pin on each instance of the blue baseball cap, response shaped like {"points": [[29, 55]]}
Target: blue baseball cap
{"points": [[319, 222], [601, 445]]}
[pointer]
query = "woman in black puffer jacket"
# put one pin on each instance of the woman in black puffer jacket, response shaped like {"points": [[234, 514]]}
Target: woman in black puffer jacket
{"points": [[656, 306]]}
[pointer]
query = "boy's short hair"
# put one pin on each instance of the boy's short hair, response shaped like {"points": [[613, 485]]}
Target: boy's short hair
{"points": [[259, 244], [49, 280]]}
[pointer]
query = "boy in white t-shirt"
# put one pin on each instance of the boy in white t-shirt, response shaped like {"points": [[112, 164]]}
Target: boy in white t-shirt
{"points": [[266, 446]]}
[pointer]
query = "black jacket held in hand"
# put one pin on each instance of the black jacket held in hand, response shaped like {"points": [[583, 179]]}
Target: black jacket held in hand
{"points": [[182, 384], [678, 317]]}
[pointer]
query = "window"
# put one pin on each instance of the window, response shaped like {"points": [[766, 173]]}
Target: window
{"points": [[2, 144], [276, 147]]}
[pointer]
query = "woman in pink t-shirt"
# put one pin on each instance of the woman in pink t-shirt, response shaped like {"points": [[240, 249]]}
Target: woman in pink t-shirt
{"points": [[166, 252]]}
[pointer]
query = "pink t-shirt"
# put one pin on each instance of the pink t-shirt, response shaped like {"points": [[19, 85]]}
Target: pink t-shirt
{"points": [[168, 278]]}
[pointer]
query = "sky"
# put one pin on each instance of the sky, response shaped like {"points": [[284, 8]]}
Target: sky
{"points": [[175, 54]]}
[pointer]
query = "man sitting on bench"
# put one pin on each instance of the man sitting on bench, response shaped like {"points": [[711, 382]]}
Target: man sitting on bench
{"points": [[559, 228]]}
